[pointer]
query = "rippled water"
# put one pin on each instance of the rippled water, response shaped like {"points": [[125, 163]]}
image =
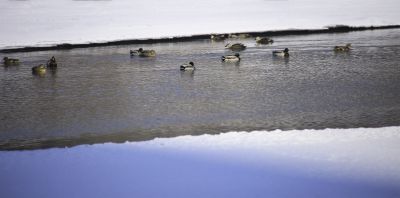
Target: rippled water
{"points": [[102, 94]]}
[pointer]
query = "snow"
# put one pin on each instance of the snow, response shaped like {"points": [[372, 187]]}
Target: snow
{"points": [[299, 163], [44, 22]]}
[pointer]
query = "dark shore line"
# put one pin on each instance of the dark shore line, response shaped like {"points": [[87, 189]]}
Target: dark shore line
{"points": [[332, 29], [163, 132]]}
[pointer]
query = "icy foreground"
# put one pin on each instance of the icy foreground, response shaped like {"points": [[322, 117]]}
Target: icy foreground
{"points": [[307, 163], [44, 22]]}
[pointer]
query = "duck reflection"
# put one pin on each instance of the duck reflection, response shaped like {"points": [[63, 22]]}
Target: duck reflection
{"points": [[188, 75]]}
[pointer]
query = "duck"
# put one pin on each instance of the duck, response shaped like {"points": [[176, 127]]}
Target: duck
{"points": [[235, 46], [231, 58], [187, 67], [244, 35], [283, 53], [240, 36], [345, 48], [40, 69], [217, 37], [146, 53], [10, 61], [263, 40], [52, 63], [143, 53]]}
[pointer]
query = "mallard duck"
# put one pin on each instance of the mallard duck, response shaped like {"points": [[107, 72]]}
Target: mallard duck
{"points": [[40, 69], [235, 47], [146, 53], [10, 61], [231, 58], [232, 36], [263, 40], [187, 67], [283, 53], [244, 35], [217, 37], [241, 36], [143, 53], [52, 63], [345, 48]]}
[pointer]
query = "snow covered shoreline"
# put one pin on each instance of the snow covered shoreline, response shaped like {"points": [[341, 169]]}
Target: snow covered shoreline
{"points": [[61, 46], [46, 22], [360, 162]]}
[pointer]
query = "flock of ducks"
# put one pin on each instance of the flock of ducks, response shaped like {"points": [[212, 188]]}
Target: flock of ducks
{"points": [[39, 70], [233, 58]]}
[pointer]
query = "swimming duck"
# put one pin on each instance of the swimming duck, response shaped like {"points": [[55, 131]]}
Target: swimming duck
{"points": [[345, 48], [232, 36], [187, 67], [263, 40], [146, 53], [52, 63], [235, 47], [217, 37], [10, 61], [231, 58], [283, 53], [241, 36], [40, 69], [143, 53]]}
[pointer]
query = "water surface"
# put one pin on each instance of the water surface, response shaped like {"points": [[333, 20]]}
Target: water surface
{"points": [[102, 94]]}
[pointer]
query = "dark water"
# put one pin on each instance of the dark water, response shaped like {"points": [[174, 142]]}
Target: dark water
{"points": [[103, 95]]}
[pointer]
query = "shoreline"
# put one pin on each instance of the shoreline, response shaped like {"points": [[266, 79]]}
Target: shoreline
{"points": [[328, 30], [143, 136]]}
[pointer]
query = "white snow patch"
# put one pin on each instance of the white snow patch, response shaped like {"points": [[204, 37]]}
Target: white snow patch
{"points": [[298, 163], [349, 152], [45, 22]]}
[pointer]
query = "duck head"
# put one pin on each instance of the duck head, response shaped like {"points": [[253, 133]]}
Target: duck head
{"points": [[286, 50], [237, 55], [140, 50], [191, 63], [5, 58]]}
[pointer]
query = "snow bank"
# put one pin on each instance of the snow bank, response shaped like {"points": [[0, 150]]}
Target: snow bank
{"points": [[307, 163], [44, 22], [350, 153]]}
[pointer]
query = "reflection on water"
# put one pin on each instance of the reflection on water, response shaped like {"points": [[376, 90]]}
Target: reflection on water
{"points": [[102, 94], [189, 75]]}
